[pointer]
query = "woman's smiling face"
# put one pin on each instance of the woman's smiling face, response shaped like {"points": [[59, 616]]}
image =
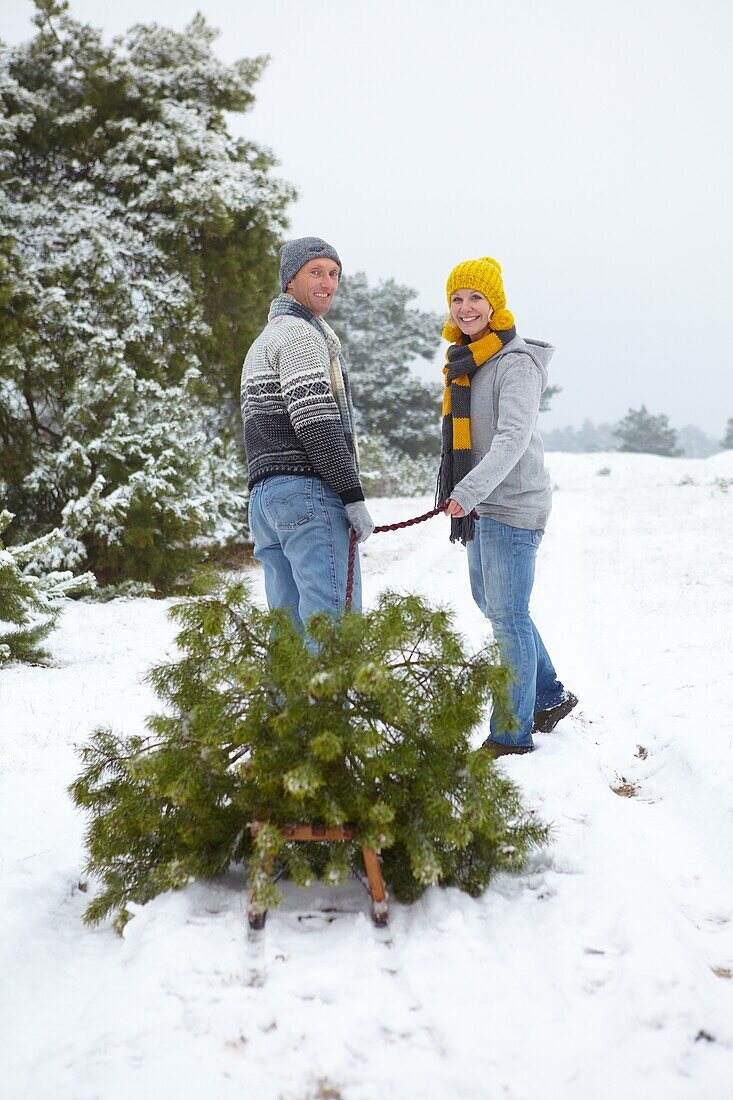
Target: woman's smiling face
{"points": [[471, 312]]}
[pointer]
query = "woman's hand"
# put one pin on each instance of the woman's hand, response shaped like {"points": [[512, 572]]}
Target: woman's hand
{"points": [[453, 508]]}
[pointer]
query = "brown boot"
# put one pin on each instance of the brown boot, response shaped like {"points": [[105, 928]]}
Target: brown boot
{"points": [[497, 749], [546, 720]]}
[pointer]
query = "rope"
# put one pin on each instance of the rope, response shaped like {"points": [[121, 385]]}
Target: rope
{"points": [[377, 531]]}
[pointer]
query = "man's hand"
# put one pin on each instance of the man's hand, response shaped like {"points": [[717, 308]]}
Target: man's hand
{"points": [[453, 508], [360, 520]]}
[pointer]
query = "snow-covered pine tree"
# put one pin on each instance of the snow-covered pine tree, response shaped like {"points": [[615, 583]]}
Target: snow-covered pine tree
{"points": [[387, 471], [159, 486], [138, 251], [372, 731], [30, 604], [382, 336], [641, 432]]}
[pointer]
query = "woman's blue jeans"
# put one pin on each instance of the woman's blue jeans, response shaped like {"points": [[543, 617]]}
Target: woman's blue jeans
{"points": [[301, 536], [501, 564]]}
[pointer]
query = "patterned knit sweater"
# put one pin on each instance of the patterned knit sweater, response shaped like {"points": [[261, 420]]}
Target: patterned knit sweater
{"points": [[292, 420]]}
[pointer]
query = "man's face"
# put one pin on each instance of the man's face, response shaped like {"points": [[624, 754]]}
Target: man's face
{"points": [[315, 285]]}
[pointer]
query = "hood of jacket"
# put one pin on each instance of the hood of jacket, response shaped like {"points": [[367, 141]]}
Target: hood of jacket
{"points": [[539, 351]]}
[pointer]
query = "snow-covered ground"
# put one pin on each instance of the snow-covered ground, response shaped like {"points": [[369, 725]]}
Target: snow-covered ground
{"points": [[603, 971]]}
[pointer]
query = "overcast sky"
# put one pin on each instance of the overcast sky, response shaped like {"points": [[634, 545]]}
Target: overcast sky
{"points": [[585, 145]]}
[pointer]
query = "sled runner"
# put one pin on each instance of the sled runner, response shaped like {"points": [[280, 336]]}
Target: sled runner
{"points": [[257, 916]]}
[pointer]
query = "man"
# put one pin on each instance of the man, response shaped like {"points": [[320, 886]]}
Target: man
{"points": [[305, 493]]}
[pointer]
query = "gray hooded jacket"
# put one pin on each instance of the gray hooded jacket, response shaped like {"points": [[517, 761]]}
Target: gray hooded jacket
{"points": [[509, 481]]}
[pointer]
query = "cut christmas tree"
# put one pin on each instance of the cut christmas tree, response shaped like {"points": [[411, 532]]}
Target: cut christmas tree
{"points": [[372, 731]]}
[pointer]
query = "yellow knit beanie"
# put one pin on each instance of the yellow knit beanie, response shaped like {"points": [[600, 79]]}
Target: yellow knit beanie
{"points": [[483, 275]]}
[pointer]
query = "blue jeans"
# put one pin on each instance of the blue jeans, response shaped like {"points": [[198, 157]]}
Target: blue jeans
{"points": [[301, 535], [501, 564]]}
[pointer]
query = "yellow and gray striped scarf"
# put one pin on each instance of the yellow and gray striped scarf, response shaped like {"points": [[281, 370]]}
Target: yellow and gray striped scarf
{"points": [[462, 362]]}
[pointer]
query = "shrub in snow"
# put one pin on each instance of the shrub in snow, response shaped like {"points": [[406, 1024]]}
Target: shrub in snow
{"points": [[125, 590], [372, 731], [30, 605], [138, 252]]}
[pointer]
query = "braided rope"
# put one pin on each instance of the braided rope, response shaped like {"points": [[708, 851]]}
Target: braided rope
{"points": [[377, 531]]}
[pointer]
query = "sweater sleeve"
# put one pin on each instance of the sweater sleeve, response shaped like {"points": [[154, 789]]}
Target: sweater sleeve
{"points": [[305, 382], [519, 403]]}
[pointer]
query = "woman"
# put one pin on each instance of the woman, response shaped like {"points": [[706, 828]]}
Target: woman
{"points": [[497, 490]]}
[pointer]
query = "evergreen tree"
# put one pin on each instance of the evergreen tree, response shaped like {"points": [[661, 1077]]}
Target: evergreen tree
{"points": [[388, 472], [30, 605], [382, 336], [372, 731], [694, 443], [547, 396], [727, 441], [138, 251], [640, 432]]}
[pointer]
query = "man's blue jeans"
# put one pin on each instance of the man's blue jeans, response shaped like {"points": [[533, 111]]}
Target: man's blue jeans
{"points": [[501, 564], [301, 535]]}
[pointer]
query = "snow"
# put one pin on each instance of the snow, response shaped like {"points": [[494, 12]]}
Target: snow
{"points": [[590, 975]]}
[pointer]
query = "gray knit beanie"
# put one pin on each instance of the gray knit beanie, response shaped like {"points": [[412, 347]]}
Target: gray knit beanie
{"points": [[294, 254]]}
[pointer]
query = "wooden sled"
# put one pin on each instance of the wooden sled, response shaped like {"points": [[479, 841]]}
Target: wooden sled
{"points": [[257, 916]]}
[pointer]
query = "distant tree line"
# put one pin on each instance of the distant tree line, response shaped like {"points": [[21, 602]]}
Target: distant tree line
{"points": [[641, 432], [727, 441]]}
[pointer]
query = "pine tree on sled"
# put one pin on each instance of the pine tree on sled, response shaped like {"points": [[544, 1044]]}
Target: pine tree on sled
{"points": [[370, 736]]}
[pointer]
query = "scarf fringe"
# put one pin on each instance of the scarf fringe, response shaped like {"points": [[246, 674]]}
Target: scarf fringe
{"points": [[462, 528], [444, 483]]}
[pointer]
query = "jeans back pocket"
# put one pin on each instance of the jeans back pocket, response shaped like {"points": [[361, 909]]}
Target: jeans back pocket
{"points": [[288, 501]]}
